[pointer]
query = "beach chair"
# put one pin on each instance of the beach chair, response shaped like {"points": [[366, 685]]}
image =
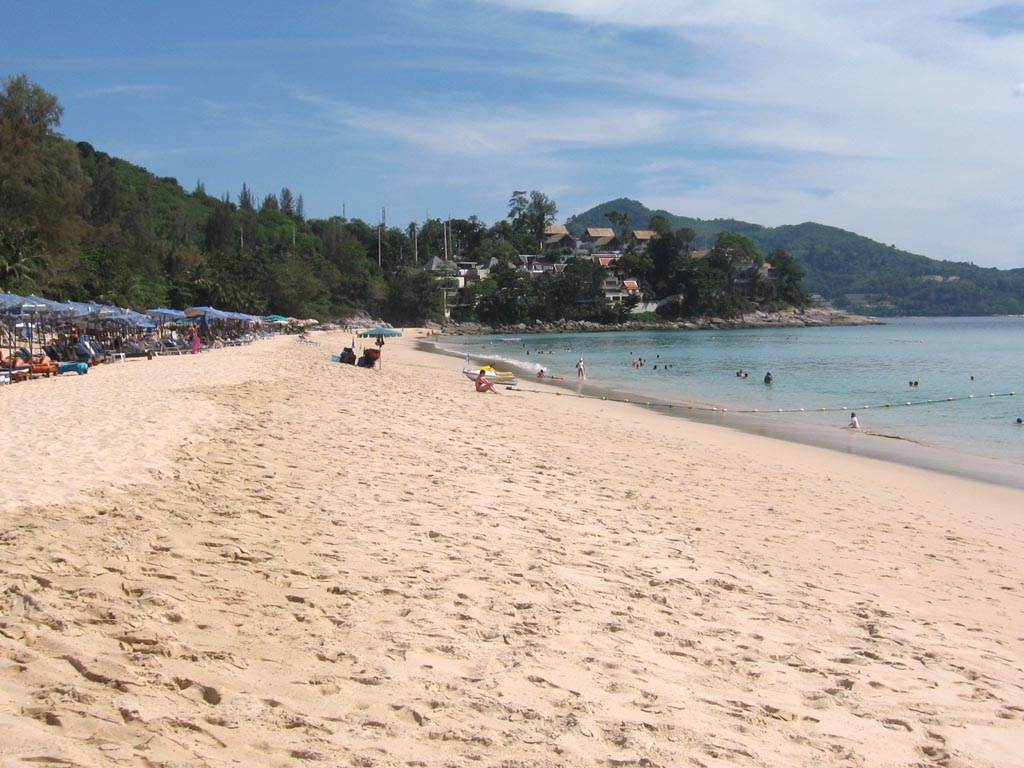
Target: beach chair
{"points": [[89, 351], [169, 347], [36, 368]]}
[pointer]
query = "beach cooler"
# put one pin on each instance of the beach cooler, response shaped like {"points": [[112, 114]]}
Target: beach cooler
{"points": [[79, 368]]}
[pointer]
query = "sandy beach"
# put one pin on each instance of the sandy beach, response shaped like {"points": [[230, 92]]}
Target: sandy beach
{"points": [[255, 556]]}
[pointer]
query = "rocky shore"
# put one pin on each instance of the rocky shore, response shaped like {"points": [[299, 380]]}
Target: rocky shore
{"points": [[791, 318]]}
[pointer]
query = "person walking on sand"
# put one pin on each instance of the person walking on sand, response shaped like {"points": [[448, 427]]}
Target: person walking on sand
{"points": [[581, 371], [483, 384]]}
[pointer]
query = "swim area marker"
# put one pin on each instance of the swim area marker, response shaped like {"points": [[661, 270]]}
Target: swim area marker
{"points": [[715, 409]]}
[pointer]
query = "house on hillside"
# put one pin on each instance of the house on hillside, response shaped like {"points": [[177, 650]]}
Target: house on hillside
{"points": [[643, 238], [557, 237], [617, 284], [535, 264], [600, 239]]}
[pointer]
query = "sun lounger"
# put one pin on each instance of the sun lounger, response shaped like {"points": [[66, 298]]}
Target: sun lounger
{"points": [[43, 369]]}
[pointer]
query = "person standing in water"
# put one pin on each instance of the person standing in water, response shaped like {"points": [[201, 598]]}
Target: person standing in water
{"points": [[768, 378], [581, 372]]}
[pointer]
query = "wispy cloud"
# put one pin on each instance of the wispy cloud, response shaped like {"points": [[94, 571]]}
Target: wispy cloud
{"points": [[125, 89], [904, 111], [511, 131]]}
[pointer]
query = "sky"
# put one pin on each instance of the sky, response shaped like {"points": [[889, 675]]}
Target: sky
{"points": [[901, 121]]}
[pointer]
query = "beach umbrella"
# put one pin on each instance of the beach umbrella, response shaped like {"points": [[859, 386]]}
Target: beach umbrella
{"points": [[37, 306], [160, 313], [9, 301], [205, 315], [206, 312], [380, 334]]}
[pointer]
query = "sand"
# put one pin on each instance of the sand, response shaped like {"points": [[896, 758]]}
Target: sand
{"points": [[255, 556]]}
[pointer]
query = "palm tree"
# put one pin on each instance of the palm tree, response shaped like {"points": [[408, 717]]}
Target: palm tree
{"points": [[19, 258]]}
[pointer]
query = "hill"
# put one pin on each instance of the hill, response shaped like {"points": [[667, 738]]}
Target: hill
{"points": [[851, 270]]}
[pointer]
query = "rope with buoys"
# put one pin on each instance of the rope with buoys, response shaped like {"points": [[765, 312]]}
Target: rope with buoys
{"points": [[716, 409]]}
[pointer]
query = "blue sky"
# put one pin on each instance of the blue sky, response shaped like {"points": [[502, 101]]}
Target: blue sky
{"points": [[901, 121]]}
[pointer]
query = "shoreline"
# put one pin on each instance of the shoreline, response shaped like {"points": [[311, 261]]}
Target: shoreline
{"points": [[810, 317], [890, 448]]}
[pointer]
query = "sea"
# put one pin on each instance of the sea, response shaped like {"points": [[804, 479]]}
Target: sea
{"points": [[940, 393]]}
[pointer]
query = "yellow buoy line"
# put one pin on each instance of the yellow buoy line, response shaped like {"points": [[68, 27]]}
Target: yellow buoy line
{"points": [[710, 408]]}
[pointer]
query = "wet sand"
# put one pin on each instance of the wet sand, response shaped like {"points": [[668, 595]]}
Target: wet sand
{"points": [[886, 446]]}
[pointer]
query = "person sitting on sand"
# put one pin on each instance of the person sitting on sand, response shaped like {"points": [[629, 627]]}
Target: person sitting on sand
{"points": [[854, 424], [483, 384], [542, 374]]}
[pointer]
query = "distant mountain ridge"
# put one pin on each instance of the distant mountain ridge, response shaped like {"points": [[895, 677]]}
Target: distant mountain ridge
{"points": [[848, 269]]}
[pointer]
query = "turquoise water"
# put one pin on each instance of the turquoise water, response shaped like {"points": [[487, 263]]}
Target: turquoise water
{"points": [[839, 369]]}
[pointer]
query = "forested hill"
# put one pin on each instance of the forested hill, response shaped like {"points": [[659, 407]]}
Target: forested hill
{"points": [[849, 269]]}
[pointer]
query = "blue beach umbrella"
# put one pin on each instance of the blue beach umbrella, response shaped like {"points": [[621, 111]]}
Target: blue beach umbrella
{"points": [[379, 333], [161, 313]]}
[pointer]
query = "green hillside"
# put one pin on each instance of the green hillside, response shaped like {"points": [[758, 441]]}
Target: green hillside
{"points": [[851, 270]]}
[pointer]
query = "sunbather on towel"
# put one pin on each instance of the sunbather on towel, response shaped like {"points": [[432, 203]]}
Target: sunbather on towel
{"points": [[12, 362], [37, 358]]}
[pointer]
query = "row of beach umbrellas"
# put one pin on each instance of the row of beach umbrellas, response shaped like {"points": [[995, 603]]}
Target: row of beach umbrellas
{"points": [[32, 314], [13, 305]]}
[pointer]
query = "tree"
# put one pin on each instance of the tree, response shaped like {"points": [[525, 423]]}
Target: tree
{"points": [[733, 251], [41, 179], [245, 199], [287, 202], [531, 216], [19, 258], [787, 276], [620, 220]]}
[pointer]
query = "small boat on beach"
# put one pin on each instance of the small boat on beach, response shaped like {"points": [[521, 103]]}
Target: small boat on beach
{"points": [[493, 375]]}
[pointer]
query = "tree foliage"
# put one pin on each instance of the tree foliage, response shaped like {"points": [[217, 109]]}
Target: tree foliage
{"points": [[78, 224]]}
